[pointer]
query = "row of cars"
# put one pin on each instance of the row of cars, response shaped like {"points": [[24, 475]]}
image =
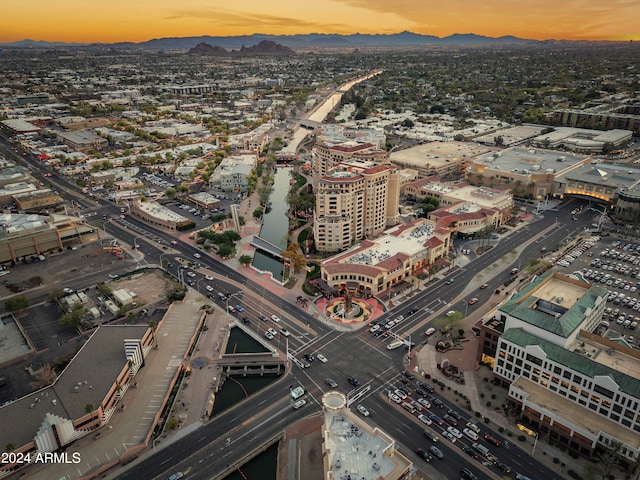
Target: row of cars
{"points": [[568, 258], [384, 327], [454, 427]]}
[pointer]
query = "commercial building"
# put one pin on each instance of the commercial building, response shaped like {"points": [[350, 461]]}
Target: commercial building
{"points": [[584, 140], [23, 236], [38, 201], [601, 117], [355, 200], [568, 384], [527, 172], [467, 207], [374, 266], [83, 140], [232, 175], [83, 397], [602, 183], [158, 215], [439, 158]]}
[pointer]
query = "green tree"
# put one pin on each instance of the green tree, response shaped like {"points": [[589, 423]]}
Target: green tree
{"points": [[55, 294], [245, 259], [16, 304]]}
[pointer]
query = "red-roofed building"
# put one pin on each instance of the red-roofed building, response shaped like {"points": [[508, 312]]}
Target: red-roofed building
{"points": [[376, 265]]}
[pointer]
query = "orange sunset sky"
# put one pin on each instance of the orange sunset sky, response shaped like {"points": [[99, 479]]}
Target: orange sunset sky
{"points": [[139, 20]]}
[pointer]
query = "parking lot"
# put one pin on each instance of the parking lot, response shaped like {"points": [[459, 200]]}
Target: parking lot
{"points": [[612, 264]]}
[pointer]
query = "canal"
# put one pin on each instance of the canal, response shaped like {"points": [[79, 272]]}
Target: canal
{"points": [[275, 225]]}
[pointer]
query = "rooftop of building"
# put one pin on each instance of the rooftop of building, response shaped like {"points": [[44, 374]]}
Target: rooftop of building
{"points": [[395, 246], [160, 212], [483, 196], [582, 417], [18, 187], [554, 302], [578, 136], [436, 154], [615, 176], [12, 223], [356, 450], [86, 380], [82, 137], [526, 161], [511, 135], [588, 356]]}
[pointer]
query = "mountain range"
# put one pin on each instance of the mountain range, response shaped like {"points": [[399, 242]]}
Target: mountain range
{"points": [[295, 42]]}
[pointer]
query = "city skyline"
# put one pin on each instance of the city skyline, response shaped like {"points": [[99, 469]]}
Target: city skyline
{"points": [[74, 21]]}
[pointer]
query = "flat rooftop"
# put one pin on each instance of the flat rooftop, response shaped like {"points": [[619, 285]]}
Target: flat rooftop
{"points": [[582, 417], [161, 212], [511, 136], [395, 241], [355, 449], [529, 160], [615, 176], [554, 302], [438, 153], [561, 292], [608, 353]]}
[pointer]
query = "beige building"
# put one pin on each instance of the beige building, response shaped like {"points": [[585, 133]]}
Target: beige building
{"points": [[326, 155], [376, 265], [37, 201], [158, 215], [355, 200], [439, 158], [82, 399], [28, 235], [527, 172]]}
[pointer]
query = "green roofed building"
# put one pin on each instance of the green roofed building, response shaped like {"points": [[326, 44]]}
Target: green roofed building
{"points": [[574, 387]]}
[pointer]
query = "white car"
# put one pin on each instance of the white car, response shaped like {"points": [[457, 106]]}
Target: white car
{"points": [[272, 332], [284, 332], [191, 274], [424, 419], [322, 358], [197, 255], [363, 410], [268, 335], [275, 318], [455, 432], [395, 398], [209, 288], [208, 277], [67, 290]]}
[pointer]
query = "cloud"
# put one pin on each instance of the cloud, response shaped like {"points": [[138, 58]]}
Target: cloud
{"points": [[255, 22]]}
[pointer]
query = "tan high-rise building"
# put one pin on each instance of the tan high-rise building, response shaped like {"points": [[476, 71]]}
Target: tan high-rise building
{"points": [[326, 155], [355, 200]]}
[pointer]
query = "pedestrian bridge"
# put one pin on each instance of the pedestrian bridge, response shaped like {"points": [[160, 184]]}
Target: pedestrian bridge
{"points": [[261, 244]]}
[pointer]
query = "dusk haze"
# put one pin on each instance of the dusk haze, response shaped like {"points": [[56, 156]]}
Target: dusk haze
{"points": [[136, 21]]}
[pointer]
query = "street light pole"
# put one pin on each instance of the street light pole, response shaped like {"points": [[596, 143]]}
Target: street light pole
{"points": [[535, 442]]}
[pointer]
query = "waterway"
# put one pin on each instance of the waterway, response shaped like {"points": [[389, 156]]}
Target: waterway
{"points": [[275, 225], [262, 467]]}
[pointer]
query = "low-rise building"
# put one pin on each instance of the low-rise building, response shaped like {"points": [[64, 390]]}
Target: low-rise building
{"points": [[527, 172], [155, 214], [23, 236], [232, 175], [37, 201], [376, 265], [439, 158], [82, 399], [351, 445], [83, 140]]}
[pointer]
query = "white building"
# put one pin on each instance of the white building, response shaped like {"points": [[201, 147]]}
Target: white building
{"points": [[572, 386]]}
